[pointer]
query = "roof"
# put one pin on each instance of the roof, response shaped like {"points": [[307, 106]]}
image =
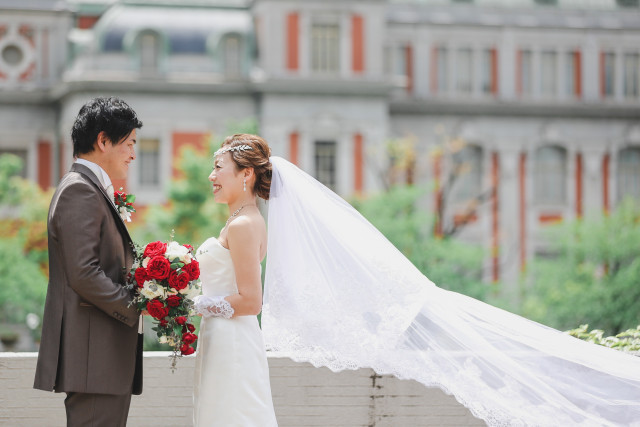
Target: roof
{"points": [[35, 5], [184, 30], [562, 4]]}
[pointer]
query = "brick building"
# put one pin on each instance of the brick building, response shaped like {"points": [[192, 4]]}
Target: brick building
{"points": [[544, 94]]}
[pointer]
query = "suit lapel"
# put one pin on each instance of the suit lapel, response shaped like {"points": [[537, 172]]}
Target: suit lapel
{"points": [[82, 169]]}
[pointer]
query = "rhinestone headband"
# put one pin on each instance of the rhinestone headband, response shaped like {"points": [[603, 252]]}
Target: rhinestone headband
{"points": [[243, 147]]}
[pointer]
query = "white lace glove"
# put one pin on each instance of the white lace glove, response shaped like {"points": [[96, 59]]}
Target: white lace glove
{"points": [[213, 306]]}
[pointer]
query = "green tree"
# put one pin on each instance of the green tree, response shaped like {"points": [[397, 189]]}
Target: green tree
{"points": [[448, 263], [23, 243], [594, 276], [24, 286]]}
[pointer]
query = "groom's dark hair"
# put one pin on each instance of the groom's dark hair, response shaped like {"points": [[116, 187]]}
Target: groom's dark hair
{"points": [[109, 115]]}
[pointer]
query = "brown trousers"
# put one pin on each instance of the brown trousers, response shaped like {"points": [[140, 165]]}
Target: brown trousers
{"points": [[97, 410]]}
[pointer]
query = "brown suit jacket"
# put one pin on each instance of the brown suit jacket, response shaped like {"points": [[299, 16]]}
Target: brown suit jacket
{"points": [[89, 333]]}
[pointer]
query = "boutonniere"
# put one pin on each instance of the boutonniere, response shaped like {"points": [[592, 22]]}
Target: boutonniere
{"points": [[124, 204]]}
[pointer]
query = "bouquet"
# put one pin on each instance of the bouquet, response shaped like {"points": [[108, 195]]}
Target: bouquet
{"points": [[165, 278]]}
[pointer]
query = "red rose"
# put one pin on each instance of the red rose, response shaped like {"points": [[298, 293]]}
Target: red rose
{"points": [[189, 247], [180, 280], [157, 309], [181, 320], [120, 194], [158, 268], [173, 300], [141, 276], [189, 338], [186, 350], [193, 268], [155, 249], [191, 327], [163, 323]]}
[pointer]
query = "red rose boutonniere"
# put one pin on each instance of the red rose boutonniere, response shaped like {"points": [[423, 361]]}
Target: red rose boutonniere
{"points": [[124, 204]]}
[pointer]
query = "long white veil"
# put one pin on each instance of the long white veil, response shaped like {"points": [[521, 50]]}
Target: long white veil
{"points": [[339, 294]]}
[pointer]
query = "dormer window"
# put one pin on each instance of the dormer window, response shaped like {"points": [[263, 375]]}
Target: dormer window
{"points": [[149, 53], [232, 55]]}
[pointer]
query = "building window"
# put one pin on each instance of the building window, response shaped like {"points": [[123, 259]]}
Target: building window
{"points": [[488, 76], [396, 64], [550, 175], [464, 71], [629, 173], [232, 56], [325, 159], [442, 58], [525, 79], [572, 74], [149, 53], [468, 164], [325, 47], [149, 161], [608, 73], [12, 55], [548, 74], [631, 75]]}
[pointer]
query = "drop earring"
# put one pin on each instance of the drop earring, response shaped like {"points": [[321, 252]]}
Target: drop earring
{"points": [[244, 185]]}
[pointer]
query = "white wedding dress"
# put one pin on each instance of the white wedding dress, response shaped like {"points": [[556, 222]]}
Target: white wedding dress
{"points": [[232, 375]]}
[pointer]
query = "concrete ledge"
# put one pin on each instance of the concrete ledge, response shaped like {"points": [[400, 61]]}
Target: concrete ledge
{"points": [[302, 394]]}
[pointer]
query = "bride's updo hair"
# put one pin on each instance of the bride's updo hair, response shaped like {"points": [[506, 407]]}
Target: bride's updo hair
{"points": [[257, 158]]}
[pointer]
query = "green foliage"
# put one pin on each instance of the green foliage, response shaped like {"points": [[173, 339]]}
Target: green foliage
{"points": [[10, 182], [23, 243], [448, 263], [24, 285], [627, 341], [594, 276]]}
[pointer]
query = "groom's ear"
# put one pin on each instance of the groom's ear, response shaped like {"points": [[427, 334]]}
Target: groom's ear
{"points": [[101, 142]]}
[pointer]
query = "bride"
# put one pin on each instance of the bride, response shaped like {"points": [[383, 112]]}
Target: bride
{"points": [[232, 376], [338, 294]]}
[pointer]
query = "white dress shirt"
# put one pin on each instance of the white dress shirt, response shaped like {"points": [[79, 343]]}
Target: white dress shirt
{"points": [[103, 177]]}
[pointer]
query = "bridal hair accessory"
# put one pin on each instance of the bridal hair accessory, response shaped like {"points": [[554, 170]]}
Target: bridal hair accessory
{"points": [[242, 147], [213, 306]]}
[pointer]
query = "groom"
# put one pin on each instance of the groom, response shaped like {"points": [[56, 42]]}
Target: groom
{"points": [[90, 347]]}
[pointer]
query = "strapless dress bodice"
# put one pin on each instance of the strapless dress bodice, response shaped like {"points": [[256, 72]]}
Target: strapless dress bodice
{"points": [[216, 269]]}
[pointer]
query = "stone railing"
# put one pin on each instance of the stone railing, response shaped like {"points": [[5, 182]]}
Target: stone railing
{"points": [[302, 396]]}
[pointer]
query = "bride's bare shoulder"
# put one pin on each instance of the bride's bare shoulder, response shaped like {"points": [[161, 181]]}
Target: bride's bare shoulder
{"points": [[247, 226]]}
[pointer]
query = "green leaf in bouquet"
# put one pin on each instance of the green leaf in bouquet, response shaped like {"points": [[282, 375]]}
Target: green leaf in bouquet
{"points": [[131, 198]]}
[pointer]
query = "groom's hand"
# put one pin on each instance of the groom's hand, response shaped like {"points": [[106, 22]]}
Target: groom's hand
{"points": [[144, 313]]}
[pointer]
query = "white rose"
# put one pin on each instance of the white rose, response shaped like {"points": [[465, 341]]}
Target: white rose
{"points": [[163, 339], [152, 290], [145, 262], [191, 291], [176, 250]]}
